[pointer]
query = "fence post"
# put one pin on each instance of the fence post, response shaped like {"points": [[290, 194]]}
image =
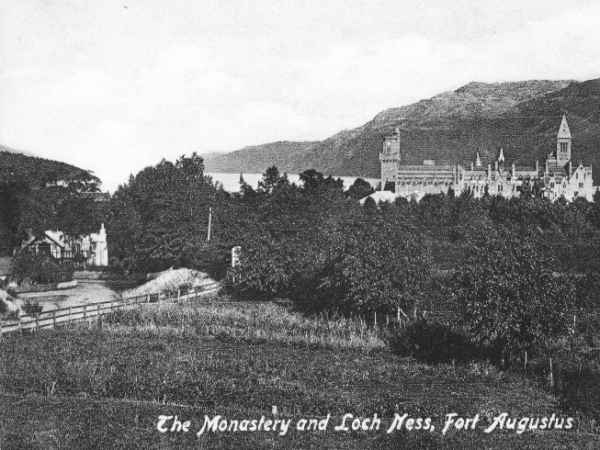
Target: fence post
{"points": [[178, 295]]}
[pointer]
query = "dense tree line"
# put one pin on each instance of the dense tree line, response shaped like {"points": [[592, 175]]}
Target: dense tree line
{"points": [[508, 276], [50, 197], [509, 271]]}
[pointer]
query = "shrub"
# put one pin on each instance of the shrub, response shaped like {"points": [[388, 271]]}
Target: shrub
{"points": [[32, 308], [508, 296], [433, 342], [360, 263]]}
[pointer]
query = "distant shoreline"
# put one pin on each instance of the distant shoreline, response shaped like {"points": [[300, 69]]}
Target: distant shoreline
{"points": [[231, 181]]}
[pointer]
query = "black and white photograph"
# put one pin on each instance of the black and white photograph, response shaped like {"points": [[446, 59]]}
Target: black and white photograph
{"points": [[299, 224]]}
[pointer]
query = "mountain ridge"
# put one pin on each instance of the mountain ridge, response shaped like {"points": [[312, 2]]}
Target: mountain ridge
{"points": [[520, 116]]}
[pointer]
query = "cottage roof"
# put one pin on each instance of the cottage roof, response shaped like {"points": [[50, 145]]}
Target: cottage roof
{"points": [[54, 236]]}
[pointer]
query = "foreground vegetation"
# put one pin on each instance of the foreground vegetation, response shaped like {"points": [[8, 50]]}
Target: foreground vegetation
{"points": [[496, 285], [103, 386]]}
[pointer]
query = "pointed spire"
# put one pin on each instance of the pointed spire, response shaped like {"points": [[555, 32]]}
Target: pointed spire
{"points": [[501, 155], [563, 130], [477, 160]]}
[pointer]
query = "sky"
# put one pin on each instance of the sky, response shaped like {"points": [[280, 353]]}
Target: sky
{"points": [[113, 86]]}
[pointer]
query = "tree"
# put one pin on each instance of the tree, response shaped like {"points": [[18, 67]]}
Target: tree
{"points": [[160, 215], [508, 296], [271, 179], [359, 189]]}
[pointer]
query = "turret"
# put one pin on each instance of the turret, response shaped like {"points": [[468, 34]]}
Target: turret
{"points": [[563, 142], [102, 233], [390, 158]]}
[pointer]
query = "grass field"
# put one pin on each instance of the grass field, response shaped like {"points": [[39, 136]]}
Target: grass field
{"points": [[104, 386]]}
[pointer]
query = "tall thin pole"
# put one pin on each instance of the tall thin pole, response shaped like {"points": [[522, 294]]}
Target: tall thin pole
{"points": [[209, 224]]}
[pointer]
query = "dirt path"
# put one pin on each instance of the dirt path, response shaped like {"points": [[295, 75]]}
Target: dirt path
{"points": [[85, 292]]}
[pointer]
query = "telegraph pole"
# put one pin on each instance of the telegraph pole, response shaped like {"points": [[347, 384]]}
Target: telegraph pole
{"points": [[209, 224]]}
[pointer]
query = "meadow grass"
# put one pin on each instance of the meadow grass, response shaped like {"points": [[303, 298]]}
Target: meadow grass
{"points": [[103, 386], [251, 322]]}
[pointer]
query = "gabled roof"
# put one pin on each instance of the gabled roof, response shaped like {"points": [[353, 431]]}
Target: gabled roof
{"points": [[501, 155], [47, 235], [563, 130]]}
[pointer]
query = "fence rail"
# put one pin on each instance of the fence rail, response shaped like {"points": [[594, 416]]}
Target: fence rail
{"points": [[86, 311]]}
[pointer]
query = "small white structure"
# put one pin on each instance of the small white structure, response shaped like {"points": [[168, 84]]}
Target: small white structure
{"points": [[236, 253], [91, 249]]}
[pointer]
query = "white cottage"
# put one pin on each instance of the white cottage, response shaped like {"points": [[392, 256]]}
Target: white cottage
{"points": [[91, 249]]}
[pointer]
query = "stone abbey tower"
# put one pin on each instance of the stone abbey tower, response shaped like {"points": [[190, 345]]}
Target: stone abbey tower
{"points": [[563, 142], [390, 158]]}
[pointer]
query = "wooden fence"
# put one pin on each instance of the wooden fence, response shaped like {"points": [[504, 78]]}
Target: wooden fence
{"points": [[68, 315]]}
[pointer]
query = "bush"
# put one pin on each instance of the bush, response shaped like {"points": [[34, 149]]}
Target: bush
{"points": [[40, 269], [361, 262], [32, 308], [508, 296], [433, 342]]}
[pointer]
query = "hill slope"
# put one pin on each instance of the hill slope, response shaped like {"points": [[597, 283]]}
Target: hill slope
{"points": [[256, 158], [521, 116], [18, 166]]}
